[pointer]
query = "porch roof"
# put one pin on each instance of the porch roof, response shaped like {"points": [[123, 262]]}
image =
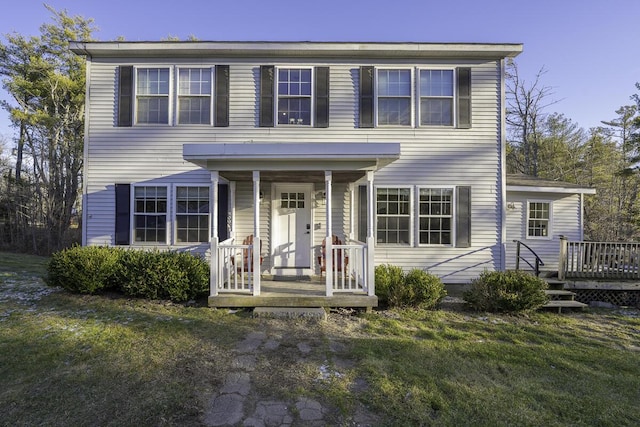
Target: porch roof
{"points": [[281, 161], [527, 183]]}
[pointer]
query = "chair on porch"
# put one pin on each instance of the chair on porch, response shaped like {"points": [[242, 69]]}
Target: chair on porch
{"points": [[337, 261], [246, 266]]}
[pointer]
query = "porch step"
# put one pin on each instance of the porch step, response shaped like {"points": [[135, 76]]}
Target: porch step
{"points": [[560, 304], [318, 313], [560, 295]]}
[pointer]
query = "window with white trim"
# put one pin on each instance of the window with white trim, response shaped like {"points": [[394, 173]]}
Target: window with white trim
{"points": [[393, 215], [436, 97], [294, 96], [152, 95], [192, 214], [393, 97], [150, 214], [194, 95], [435, 207], [538, 220]]}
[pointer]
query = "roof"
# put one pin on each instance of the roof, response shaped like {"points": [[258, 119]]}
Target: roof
{"points": [[296, 49], [527, 183]]}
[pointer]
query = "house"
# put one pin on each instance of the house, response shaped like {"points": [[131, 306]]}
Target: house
{"points": [[277, 159], [539, 212]]}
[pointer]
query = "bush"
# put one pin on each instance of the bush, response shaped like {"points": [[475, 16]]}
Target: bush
{"points": [[506, 291], [154, 275], [86, 270], [415, 289], [387, 277]]}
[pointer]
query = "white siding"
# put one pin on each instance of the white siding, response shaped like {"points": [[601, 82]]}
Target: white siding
{"points": [[565, 222], [438, 156]]}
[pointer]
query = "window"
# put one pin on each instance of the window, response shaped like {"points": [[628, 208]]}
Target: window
{"points": [[539, 220], [291, 200], [394, 97], [152, 95], [436, 97], [294, 96], [150, 214], [194, 96], [393, 208], [192, 214], [436, 216]]}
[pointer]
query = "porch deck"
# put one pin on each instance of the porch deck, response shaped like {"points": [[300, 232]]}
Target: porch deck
{"points": [[293, 293]]}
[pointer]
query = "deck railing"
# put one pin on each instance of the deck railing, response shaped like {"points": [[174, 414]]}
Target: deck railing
{"points": [[595, 260], [234, 267], [349, 267]]}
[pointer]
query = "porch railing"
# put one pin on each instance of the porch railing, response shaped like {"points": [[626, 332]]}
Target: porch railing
{"points": [[536, 263], [599, 260], [234, 267], [349, 267]]}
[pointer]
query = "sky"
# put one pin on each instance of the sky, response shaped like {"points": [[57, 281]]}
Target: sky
{"points": [[590, 49]]}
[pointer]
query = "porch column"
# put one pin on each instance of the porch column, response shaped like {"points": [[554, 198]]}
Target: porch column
{"points": [[371, 288], [352, 209], [328, 261], [213, 263], [255, 276], [232, 209]]}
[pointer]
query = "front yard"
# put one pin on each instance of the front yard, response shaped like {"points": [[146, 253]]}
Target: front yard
{"points": [[101, 360]]}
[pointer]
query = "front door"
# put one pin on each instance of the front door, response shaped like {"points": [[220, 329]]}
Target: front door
{"points": [[292, 227]]}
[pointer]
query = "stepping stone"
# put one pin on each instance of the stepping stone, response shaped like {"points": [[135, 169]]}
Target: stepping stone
{"points": [[271, 413], [237, 382], [225, 410], [251, 342], [309, 410]]}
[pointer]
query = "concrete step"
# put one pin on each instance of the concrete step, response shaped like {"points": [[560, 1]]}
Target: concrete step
{"points": [[318, 313]]}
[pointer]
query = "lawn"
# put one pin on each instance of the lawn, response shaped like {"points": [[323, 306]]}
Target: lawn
{"points": [[105, 360]]}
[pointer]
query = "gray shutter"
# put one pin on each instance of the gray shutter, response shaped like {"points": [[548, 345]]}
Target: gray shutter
{"points": [[123, 214], [463, 217], [464, 98], [125, 95], [322, 97], [266, 95], [222, 96], [362, 213], [366, 97]]}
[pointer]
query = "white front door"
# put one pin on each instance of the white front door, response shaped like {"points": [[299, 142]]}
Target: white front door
{"points": [[292, 226]]}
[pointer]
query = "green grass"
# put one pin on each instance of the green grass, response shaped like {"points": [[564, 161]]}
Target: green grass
{"points": [[103, 360]]}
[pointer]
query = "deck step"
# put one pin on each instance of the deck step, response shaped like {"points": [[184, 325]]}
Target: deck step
{"points": [[560, 304], [318, 313], [559, 292]]}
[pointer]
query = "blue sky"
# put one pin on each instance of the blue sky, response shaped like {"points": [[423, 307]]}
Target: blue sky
{"points": [[590, 49]]}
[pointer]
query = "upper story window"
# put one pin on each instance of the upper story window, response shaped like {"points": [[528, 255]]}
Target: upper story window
{"points": [[538, 220], [194, 96], [294, 96], [152, 95], [436, 97], [394, 97]]}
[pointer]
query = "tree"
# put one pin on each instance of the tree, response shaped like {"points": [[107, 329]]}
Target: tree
{"points": [[47, 83], [525, 116]]}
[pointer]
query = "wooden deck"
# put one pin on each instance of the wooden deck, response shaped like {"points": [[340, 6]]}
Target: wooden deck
{"points": [[293, 293]]}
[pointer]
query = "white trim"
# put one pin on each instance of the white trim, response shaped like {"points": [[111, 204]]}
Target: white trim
{"points": [[563, 190], [170, 95], [174, 209], [454, 98], [453, 216], [176, 119], [85, 157], [277, 95], [412, 95], [502, 141], [132, 215], [549, 235]]}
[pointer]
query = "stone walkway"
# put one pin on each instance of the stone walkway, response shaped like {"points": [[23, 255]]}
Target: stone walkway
{"points": [[237, 404]]}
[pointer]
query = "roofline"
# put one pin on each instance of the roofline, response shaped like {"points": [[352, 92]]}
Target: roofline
{"points": [[296, 49], [565, 190]]}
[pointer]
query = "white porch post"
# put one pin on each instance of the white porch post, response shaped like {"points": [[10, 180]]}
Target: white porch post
{"points": [[213, 264], [371, 288], [328, 261], [352, 209], [255, 276], [232, 209]]}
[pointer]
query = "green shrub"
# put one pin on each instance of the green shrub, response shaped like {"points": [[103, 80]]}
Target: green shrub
{"points": [[421, 289], [85, 270], [163, 275], [506, 291], [415, 289], [387, 278], [147, 274]]}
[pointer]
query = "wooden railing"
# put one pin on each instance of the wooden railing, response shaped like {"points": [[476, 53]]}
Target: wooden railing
{"points": [[536, 263], [597, 260]]}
